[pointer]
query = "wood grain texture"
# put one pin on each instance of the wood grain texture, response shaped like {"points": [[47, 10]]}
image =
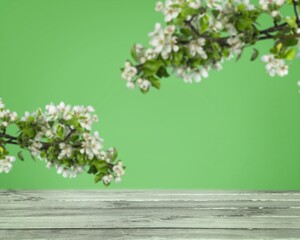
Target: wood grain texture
{"points": [[149, 215]]}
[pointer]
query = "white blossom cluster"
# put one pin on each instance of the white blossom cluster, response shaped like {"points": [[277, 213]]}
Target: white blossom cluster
{"points": [[163, 41], [129, 73], [81, 115], [171, 10], [92, 145], [275, 66], [6, 164], [272, 6], [118, 170], [189, 75], [200, 35], [69, 172], [6, 116], [61, 136]]}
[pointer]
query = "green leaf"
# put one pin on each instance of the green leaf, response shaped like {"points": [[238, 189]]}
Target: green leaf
{"points": [[29, 132], [290, 54], [243, 23], [240, 55], [154, 82], [134, 53], [186, 32], [60, 130], [99, 177], [177, 57], [100, 165], [290, 42], [254, 54], [291, 21], [162, 72], [115, 155], [92, 170], [20, 156], [204, 23], [151, 67], [241, 7], [215, 13]]}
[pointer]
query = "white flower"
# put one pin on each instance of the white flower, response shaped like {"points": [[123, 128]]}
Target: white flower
{"points": [[92, 145], [283, 70], [34, 148], [38, 136], [144, 84], [196, 47], [119, 170], [130, 85], [78, 110], [159, 6], [49, 133], [95, 118], [102, 155], [158, 42], [298, 83], [66, 151], [60, 169], [118, 179], [246, 3], [195, 4], [13, 116], [170, 12], [275, 66], [265, 4], [157, 30], [217, 26], [107, 179], [188, 74], [69, 172], [163, 41], [129, 72], [274, 14], [6, 164], [236, 45], [49, 164], [231, 29], [169, 30], [218, 66], [216, 4], [63, 108], [2, 105], [148, 55], [86, 123], [90, 109], [52, 111], [26, 116], [66, 173]]}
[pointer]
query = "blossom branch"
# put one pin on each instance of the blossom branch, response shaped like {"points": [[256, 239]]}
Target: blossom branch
{"points": [[193, 43], [61, 136]]}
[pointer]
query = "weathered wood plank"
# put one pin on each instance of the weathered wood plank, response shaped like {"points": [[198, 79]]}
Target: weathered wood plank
{"points": [[93, 195], [148, 220], [149, 215], [150, 234]]}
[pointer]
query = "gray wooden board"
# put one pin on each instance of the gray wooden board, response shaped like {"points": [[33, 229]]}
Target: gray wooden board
{"points": [[149, 215]]}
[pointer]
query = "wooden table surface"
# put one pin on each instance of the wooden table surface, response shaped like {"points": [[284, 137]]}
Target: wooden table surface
{"points": [[80, 215]]}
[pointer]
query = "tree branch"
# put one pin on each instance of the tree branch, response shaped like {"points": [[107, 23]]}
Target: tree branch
{"points": [[295, 5]]}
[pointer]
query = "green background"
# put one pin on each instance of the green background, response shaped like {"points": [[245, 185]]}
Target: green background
{"points": [[239, 129]]}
